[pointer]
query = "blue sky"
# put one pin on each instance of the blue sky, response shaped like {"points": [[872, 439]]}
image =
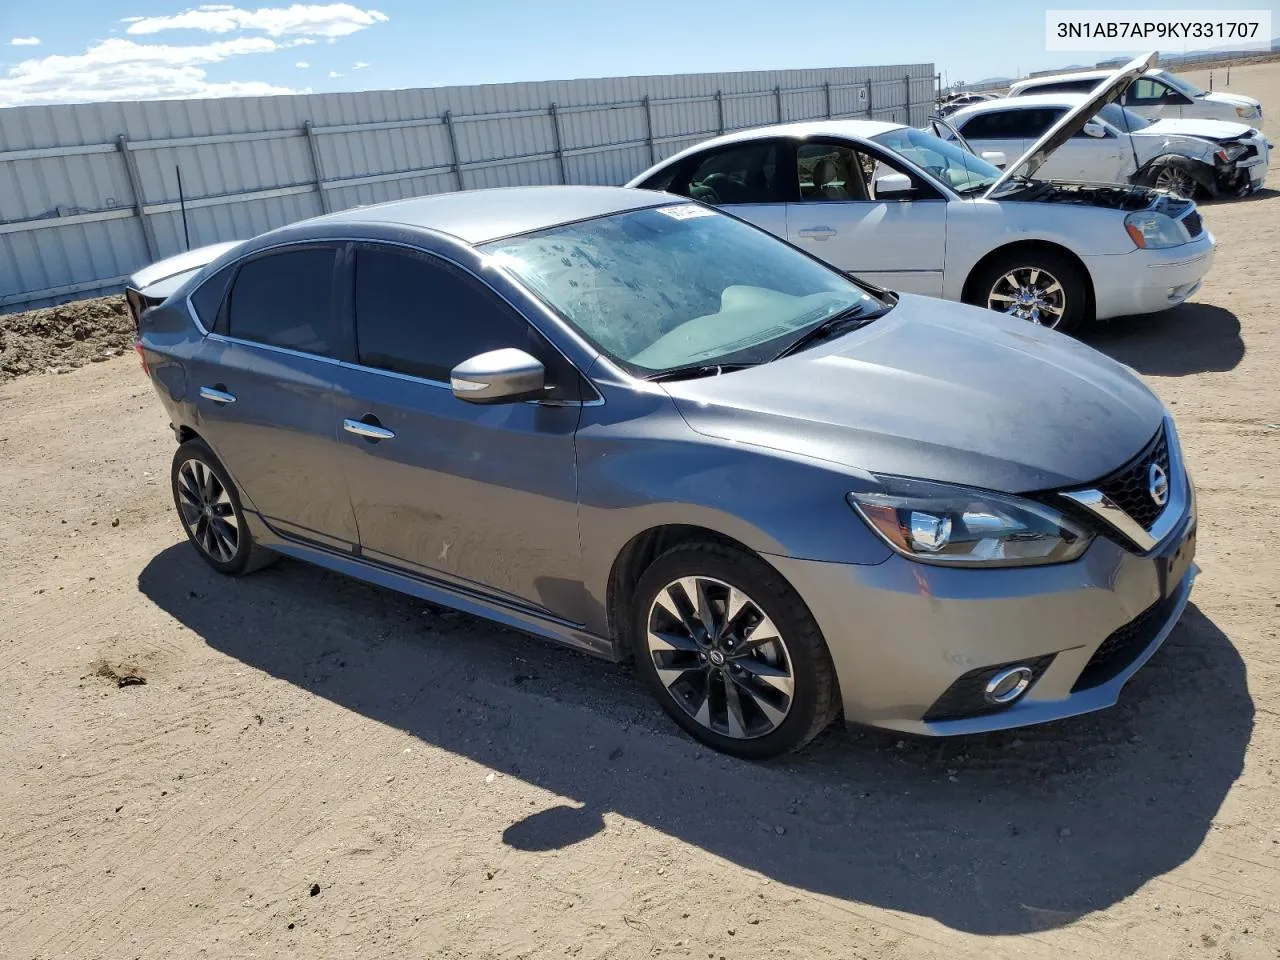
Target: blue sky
{"points": [[125, 49]]}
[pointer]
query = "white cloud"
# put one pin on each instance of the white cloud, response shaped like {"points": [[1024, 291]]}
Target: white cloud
{"points": [[300, 19], [25, 42], [299, 42], [119, 69], [359, 65], [302, 64], [334, 74]]}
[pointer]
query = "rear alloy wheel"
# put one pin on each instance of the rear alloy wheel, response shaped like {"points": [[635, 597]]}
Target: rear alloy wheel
{"points": [[731, 651], [1036, 284], [209, 508]]}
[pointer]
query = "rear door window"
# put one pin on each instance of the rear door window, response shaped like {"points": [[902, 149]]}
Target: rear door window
{"points": [[207, 298], [286, 300]]}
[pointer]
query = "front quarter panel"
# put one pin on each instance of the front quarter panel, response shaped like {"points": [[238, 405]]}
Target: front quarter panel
{"points": [[977, 227], [640, 466]]}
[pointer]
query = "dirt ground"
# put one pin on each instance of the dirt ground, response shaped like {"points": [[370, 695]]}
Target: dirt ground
{"points": [[297, 765]]}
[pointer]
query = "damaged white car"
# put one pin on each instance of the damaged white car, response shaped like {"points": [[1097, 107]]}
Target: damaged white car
{"points": [[909, 211], [1211, 158]]}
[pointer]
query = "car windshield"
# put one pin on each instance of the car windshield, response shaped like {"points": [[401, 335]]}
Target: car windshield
{"points": [[668, 287], [1122, 118], [1182, 86], [956, 167]]}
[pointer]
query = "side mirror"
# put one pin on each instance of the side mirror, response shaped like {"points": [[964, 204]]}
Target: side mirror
{"points": [[499, 376], [996, 158], [894, 186], [1094, 129]]}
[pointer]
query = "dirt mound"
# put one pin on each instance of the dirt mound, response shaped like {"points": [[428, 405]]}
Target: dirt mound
{"points": [[61, 338]]}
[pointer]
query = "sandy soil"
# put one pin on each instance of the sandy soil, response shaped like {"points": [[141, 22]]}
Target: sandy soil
{"points": [[315, 768]]}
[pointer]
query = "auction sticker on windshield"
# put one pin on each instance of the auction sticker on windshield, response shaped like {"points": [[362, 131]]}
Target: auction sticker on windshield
{"points": [[686, 211]]}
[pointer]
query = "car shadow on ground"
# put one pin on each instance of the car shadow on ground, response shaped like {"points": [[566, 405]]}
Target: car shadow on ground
{"points": [[997, 834], [1190, 338]]}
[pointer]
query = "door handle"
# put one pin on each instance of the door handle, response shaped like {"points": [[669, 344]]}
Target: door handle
{"points": [[370, 431], [817, 233], [217, 395]]}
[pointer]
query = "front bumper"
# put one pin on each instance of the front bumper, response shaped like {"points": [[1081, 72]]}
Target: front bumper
{"points": [[902, 633], [1146, 281]]}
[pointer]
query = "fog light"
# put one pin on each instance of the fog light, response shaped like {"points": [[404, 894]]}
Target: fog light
{"points": [[1008, 685]]}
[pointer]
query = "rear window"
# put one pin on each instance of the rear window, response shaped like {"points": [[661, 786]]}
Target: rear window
{"points": [[286, 300], [1010, 124]]}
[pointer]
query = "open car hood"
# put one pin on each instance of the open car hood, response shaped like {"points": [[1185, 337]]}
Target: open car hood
{"points": [[1105, 92]]}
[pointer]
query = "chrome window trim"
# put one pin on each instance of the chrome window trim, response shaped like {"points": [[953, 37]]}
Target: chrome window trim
{"points": [[1099, 504], [209, 334]]}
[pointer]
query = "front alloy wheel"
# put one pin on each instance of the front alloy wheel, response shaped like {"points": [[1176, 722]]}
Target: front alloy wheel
{"points": [[1176, 181], [1029, 293], [720, 657]]}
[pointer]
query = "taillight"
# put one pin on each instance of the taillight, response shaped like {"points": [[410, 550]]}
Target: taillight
{"points": [[142, 356]]}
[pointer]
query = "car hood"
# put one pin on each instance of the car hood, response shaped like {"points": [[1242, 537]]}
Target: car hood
{"points": [[1215, 130], [938, 391], [1107, 91], [1231, 99]]}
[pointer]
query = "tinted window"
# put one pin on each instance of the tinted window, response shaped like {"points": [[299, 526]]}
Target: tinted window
{"points": [[207, 297], [1064, 86], [740, 174], [661, 180], [831, 172], [1010, 124], [286, 300], [423, 317]]}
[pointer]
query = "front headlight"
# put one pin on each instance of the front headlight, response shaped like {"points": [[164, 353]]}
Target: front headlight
{"points": [[1152, 230], [959, 526], [1246, 113]]}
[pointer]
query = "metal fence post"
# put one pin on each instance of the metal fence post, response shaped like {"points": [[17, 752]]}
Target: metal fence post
{"points": [[135, 182], [906, 82], [719, 112], [555, 132], [777, 96], [648, 130], [454, 160], [871, 113], [826, 89], [315, 166]]}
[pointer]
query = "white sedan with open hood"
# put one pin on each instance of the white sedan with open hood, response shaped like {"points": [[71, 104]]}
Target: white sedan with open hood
{"points": [[909, 211]]}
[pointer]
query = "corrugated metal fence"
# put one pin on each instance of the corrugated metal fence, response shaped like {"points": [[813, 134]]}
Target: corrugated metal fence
{"points": [[89, 193]]}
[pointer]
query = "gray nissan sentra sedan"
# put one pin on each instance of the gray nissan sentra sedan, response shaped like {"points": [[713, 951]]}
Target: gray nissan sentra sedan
{"points": [[636, 425]]}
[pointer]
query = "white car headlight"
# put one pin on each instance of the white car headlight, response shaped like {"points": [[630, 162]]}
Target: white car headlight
{"points": [[1235, 151], [958, 526], [1153, 230], [1246, 113]]}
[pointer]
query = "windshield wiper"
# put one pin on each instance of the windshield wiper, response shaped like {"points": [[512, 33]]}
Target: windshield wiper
{"points": [[852, 317], [694, 370]]}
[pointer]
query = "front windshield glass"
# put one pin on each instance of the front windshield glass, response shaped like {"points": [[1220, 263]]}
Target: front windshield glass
{"points": [[668, 287], [956, 167], [1122, 118], [1182, 86]]}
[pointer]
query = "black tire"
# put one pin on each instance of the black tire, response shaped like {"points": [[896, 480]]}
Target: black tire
{"points": [[815, 699], [224, 523], [1181, 176], [1077, 304]]}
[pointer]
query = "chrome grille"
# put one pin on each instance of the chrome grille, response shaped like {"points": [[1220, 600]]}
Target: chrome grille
{"points": [[1128, 487]]}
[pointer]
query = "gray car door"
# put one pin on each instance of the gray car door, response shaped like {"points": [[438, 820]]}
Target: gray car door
{"points": [[484, 497], [262, 382]]}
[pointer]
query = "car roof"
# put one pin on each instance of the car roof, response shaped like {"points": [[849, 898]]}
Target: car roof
{"points": [[1028, 102], [858, 129], [477, 216], [1082, 75]]}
